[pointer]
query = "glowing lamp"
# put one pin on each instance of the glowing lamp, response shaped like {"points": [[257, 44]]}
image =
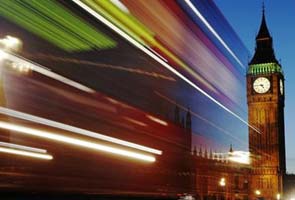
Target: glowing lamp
{"points": [[222, 182], [257, 192], [10, 43]]}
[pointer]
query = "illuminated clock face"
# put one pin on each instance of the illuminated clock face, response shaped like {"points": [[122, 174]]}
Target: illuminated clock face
{"points": [[281, 86], [261, 85]]}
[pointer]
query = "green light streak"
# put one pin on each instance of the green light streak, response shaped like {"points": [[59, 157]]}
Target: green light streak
{"points": [[265, 68], [56, 24]]}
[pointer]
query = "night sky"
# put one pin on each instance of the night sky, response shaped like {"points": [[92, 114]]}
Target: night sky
{"points": [[245, 17]]}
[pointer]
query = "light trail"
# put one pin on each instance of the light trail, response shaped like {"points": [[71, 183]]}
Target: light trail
{"points": [[159, 60], [191, 5], [157, 120], [49, 19], [22, 147], [100, 65], [45, 71], [152, 50], [120, 5], [74, 141], [139, 123], [47, 122], [3, 55], [25, 153]]}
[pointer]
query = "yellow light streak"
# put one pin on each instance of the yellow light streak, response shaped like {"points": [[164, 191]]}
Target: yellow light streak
{"points": [[26, 153], [75, 141]]}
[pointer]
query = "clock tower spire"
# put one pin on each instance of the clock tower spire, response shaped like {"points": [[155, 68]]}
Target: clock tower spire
{"points": [[264, 52], [265, 97]]}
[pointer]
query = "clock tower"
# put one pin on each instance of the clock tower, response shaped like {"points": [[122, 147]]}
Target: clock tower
{"points": [[265, 97]]}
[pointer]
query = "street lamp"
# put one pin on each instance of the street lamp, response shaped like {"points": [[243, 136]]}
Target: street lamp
{"points": [[257, 192], [222, 188], [222, 182], [10, 43]]}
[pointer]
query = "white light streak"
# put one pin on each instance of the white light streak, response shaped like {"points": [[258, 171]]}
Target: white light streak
{"points": [[22, 147], [151, 54], [45, 71], [155, 119], [26, 153], [120, 5], [47, 122], [135, 121], [191, 5], [3, 55], [75, 141], [157, 53]]}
